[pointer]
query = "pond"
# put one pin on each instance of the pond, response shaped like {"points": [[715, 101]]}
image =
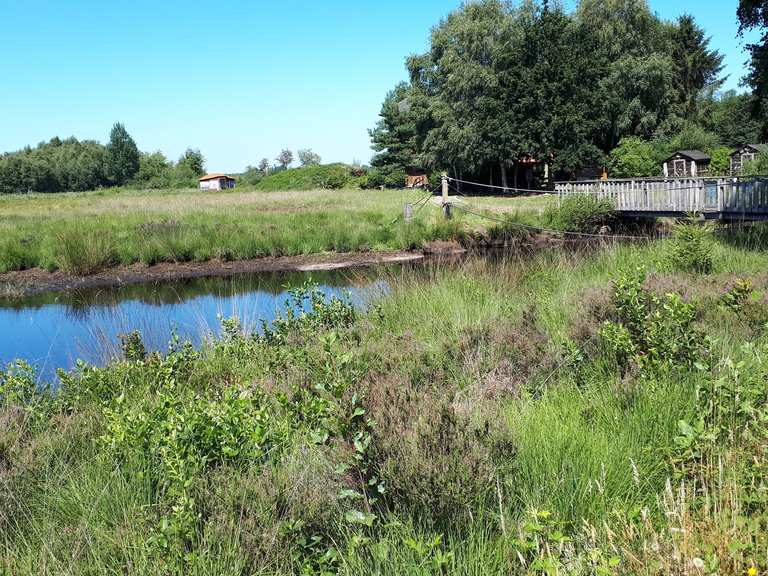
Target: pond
{"points": [[54, 330]]}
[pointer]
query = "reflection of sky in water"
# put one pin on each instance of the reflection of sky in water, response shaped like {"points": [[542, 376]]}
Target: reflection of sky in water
{"points": [[53, 331]]}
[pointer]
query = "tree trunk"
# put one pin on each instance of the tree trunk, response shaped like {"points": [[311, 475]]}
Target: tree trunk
{"points": [[503, 167], [517, 167], [457, 177]]}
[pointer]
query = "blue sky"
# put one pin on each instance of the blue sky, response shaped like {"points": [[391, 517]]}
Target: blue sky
{"points": [[238, 79]]}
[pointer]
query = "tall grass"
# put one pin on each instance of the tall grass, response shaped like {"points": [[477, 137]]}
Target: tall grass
{"points": [[474, 421], [81, 233]]}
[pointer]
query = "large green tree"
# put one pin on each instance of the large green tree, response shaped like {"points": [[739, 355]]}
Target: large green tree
{"points": [[697, 67], [729, 116], [192, 163], [753, 15], [503, 83], [121, 158]]}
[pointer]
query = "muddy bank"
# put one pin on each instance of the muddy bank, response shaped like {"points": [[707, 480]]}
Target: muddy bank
{"points": [[35, 281], [21, 283]]}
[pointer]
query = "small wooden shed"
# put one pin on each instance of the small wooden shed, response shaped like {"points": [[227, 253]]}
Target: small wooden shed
{"points": [[416, 177], [687, 164], [746, 154], [216, 182]]}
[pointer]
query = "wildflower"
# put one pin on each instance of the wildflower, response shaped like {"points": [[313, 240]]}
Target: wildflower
{"points": [[752, 571]]}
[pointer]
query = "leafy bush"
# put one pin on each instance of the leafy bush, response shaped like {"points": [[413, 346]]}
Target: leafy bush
{"points": [[721, 161], [634, 158], [758, 167], [328, 176], [650, 331], [386, 176], [583, 213], [690, 249], [693, 137]]}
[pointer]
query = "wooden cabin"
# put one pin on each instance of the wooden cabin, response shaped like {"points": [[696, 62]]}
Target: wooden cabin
{"points": [[746, 154], [216, 182], [687, 164], [416, 177]]}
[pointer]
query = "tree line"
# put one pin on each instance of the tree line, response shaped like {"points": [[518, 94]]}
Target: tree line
{"points": [[504, 86], [75, 165]]}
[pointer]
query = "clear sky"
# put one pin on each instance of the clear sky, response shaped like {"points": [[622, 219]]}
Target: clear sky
{"points": [[238, 79]]}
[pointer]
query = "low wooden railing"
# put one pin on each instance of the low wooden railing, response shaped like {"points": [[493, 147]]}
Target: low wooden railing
{"points": [[726, 196]]}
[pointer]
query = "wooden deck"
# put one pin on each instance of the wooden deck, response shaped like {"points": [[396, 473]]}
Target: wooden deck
{"points": [[716, 198]]}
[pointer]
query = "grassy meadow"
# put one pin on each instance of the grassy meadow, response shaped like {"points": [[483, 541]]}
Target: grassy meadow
{"points": [[598, 411], [84, 232]]}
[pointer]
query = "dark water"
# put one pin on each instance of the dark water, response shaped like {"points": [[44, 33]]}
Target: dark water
{"points": [[53, 330]]}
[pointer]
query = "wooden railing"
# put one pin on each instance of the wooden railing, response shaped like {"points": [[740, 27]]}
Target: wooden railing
{"points": [[726, 196]]}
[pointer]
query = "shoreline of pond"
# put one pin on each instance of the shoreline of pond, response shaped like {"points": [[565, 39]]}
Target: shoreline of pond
{"points": [[34, 281]]}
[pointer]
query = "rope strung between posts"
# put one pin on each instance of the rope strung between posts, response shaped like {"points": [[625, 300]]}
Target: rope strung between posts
{"points": [[422, 201], [505, 188]]}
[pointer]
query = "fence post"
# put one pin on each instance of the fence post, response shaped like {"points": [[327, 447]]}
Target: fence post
{"points": [[446, 203]]}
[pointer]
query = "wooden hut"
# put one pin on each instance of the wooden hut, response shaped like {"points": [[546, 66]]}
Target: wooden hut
{"points": [[416, 177], [746, 154], [687, 164], [216, 182]]}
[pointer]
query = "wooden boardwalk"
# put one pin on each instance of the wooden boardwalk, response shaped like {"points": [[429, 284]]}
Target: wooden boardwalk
{"points": [[716, 198]]}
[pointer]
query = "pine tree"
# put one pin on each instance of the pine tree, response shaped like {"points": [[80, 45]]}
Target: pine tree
{"points": [[121, 158]]}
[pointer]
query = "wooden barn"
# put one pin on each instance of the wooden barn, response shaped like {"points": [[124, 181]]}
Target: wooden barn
{"points": [[416, 177], [746, 154], [687, 164], [216, 182]]}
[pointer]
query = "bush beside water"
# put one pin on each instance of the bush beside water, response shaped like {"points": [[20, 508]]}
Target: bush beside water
{"points": [[585, 213]]}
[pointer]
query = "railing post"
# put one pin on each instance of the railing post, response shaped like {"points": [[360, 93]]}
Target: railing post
{"points": [[446, 200]]}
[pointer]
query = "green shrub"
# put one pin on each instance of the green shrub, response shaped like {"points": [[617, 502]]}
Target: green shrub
{"points": [[650, 331], [634, 158], [386, 176], [721, 161], [328, 176], [583, 213], [757, 167], [690, 249]]}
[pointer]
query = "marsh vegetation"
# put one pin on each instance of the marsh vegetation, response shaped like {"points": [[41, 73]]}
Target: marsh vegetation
{"points": [[588, 412]]}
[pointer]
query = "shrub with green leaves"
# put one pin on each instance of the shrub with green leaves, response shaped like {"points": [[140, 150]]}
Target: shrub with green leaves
{"points": [[323, 177], [582, 213], [386, 176], [651, 332], [691, 248]]}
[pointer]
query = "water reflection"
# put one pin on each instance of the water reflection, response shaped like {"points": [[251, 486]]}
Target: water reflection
{"points": [[53, 330]]}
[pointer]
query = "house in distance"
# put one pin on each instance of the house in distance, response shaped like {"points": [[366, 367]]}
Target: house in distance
{"points": [[216, 182], [746, 154], [687, 164]]}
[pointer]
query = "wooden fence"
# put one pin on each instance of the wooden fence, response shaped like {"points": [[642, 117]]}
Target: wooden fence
{"points": [[718, 197]]}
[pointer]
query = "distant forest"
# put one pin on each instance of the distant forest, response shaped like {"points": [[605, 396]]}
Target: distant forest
{"points": [[610, 85], [74, 165]]}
